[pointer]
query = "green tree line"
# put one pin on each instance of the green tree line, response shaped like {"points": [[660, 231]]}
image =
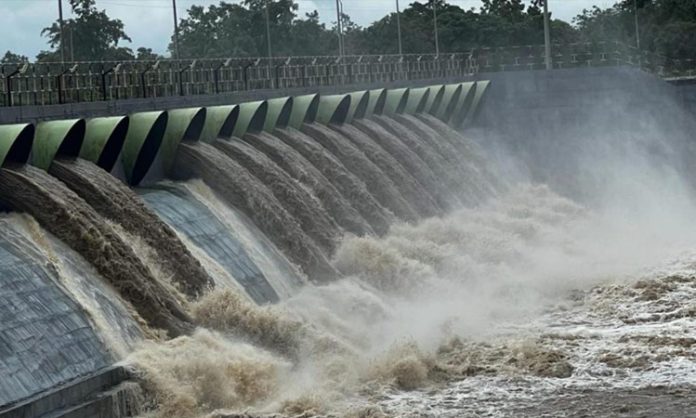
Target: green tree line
{"points": [[239, 30]]}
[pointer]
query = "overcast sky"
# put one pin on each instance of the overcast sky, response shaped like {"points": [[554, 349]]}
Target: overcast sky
{"points": [[149, 22]]}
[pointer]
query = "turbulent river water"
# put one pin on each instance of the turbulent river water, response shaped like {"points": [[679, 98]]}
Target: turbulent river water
{"points": [[362, 271]]}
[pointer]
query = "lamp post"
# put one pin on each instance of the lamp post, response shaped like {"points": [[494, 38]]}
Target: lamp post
{"points": [[437, 40], [176, 31], [547, 35], [62, 33], [339, 27], [268, 33], [398, 26]]}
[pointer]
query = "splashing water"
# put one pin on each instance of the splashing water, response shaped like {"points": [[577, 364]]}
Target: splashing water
{"points": [[485, 309]]}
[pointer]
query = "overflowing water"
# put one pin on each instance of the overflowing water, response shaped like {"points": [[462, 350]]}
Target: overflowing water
{"points": [[384, 268]]}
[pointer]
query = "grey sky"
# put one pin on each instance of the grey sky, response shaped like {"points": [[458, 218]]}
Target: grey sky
{"points": [[149, 22]]}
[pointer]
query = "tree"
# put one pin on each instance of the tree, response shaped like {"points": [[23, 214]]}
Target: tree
{"points": [[12, 58], [146, 54], [90, 36]]}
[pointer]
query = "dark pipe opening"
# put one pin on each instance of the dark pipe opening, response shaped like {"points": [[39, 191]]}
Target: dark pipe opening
{"points": [[70, 147], [228, 125], [361, 109], [259, 119], [21, 148], [195, 127], [285, 113], [341, 112], [437, 102], [423, 101], [381, 101], [114, 144], [312, 109], [403, 102], [149, 149]]}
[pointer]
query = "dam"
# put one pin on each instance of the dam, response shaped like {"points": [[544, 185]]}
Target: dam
{"points": [[504, 243]]}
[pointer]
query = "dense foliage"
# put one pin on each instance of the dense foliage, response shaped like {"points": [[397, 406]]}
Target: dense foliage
{"points": [[668, 27]]}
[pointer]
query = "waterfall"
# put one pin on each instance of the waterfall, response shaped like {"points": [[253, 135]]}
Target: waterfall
{"points": [[296, 166], [72, 220], [413, 191], [442, 168], [296, 200], [355, 160], [219, 245], [115, 201], [352, 188], [410, 160], [245, 192]]}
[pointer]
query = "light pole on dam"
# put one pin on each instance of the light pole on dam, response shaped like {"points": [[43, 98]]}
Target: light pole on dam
{"points": [[547, 35]]}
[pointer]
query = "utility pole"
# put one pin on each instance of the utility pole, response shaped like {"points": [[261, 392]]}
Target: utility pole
{"points": [[268, 33], [339, 28], [437, 40], [62, 34], [398, 26], [176, 31], [635, 7], [547, 35], [268, 41]]}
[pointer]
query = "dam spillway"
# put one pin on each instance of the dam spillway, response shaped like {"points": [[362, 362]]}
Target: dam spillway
{"points": [[214, 255]]}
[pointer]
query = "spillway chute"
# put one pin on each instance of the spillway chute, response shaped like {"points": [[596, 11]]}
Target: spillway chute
{"points": [[220, 122], [450, 98], [304, 110], [479, 95], [435, 97], [145, 134], [104, 140], [396, 101], [15, 143], [376, 102], [183, 125], [252, 117], [463, 104], [279, 112], [57, 138], [359, 100], [417, 99], [333, 109]]}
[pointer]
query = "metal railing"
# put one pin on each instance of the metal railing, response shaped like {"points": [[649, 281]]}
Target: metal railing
{"points": [[55, 83]]}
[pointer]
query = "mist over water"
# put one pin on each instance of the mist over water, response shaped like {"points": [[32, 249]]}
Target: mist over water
{"points": [[526, 294]]}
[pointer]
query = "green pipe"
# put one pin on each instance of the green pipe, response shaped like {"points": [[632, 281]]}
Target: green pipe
{"points": [[450, 97], [183, 125], [219, 122], [333, 109], [57, 137], [479, 94], [396, 101], [417, 99], [463, 104], [15, 143], [358, 105], [434, 99], [375, 105], [104, 139], [252, 116], [143, 141], [304, 110], [278, 115]]}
